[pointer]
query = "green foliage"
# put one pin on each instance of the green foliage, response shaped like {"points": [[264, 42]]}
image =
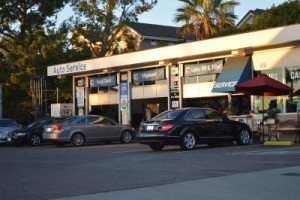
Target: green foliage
{"points": [[204, 18], [101, 23], [285, 14], [27, 45]]}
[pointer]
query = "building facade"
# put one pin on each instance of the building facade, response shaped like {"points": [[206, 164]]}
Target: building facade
{"points": [[135, 86]]}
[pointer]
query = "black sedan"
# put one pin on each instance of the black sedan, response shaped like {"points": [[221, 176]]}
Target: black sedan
{"points": [[31, 134], [190, 126]]}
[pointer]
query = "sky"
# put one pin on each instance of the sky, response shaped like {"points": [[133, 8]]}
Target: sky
{"points": [[163, 13]]}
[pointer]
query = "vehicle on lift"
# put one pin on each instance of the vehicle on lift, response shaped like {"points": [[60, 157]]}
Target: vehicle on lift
{"points": [[31, 134], [78, 130], [190, 126]]}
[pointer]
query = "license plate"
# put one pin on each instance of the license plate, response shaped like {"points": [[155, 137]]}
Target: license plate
{"points": [[150, 128], [48, 129], [9, 139]]}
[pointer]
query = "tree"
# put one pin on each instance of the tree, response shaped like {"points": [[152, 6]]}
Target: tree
{"points": [[204, 17], [26, 43], [101, 23], [284, 14]]}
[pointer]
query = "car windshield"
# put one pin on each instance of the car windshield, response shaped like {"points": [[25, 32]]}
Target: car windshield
{"points": [[172, 114], [37, 123], [69, 119]]}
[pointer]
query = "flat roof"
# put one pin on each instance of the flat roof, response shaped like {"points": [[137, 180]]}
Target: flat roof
{"points": [[232, 43]]}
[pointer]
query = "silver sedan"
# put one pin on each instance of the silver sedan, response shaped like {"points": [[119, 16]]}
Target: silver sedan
{"points": [[88, 128]]}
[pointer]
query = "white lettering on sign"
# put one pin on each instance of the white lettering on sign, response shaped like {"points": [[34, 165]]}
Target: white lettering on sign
{"points": [[225, 84], [295, 74], [57, 70]]}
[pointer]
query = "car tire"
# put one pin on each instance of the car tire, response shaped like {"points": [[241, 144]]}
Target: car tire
{"points": [[77, 139], [35, 140], [126, 137], [156, 146], [188, 141], [243, 137]]}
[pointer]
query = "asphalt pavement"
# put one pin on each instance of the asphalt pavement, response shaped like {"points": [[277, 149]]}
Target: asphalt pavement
{"points": [[282, 183]]}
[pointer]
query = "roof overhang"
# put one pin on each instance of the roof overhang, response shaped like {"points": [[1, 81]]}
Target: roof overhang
{"points": [[246, 42]]}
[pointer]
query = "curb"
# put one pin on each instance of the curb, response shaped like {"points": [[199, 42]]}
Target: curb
{"points": [[279, 143]]}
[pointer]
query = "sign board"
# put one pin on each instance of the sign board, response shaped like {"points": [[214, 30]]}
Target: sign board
{"points": [[124, 96], [174, 87]]}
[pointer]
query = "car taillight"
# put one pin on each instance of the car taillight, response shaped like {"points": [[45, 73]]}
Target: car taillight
{"points": [[58, 128], [166, 127]]}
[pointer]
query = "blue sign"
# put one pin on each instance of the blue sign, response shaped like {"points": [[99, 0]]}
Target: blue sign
{"points": [[236, 70], [149, 75], [104, 81]]}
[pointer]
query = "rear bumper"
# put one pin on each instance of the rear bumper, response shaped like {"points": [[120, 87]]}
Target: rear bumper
{"points": [[158, 138]]}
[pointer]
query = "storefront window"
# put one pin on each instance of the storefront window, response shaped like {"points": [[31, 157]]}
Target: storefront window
{"points": [[200, 79], [292, 77], [269, 104]]}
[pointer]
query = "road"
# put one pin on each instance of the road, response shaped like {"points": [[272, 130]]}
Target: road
{"points": [[133, 171]]}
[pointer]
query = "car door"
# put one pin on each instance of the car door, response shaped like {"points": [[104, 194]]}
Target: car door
{"points": [[219, 125], [87, 127], [197, 123], [105, 129]]}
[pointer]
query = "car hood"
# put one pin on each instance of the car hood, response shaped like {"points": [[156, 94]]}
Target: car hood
{"points": [[5, 130], [24, 130]]}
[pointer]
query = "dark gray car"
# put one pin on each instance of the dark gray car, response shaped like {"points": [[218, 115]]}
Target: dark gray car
{"points": [[78, 130]]}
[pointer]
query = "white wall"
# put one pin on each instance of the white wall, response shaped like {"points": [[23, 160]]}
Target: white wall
{"points": [[276, 58], [150, 91], [199, 90]]}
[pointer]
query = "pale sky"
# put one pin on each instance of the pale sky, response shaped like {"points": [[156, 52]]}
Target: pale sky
{"points": [[163, 13]]}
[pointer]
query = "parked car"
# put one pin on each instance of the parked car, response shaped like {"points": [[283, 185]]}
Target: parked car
{"points": [[6, 126], [31, 134], [190, 126], [78, 130]]}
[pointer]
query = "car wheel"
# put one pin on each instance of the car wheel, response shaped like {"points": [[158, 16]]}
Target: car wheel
{"points": [[77, 139], [126, 137], [156, 146], [243, 137], [35, 140], [188, 141]]}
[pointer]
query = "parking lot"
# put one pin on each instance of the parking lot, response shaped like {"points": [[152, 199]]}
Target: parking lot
{"points": [[50, 172]]}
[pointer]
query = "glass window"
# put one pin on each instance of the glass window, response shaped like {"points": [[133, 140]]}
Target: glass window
{"points": [[211, 114], [169, 114], [269, 104], [292, 77], [104, 121], [195, 115]]}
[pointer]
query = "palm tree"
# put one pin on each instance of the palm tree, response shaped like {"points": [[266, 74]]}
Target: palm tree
{"points": [[204, 17]]}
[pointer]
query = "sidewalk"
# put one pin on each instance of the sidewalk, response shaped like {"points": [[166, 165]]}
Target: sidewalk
{"points": [[283, 183]]}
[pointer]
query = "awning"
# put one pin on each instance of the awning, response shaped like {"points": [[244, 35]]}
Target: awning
{"points": [[236, 70]]}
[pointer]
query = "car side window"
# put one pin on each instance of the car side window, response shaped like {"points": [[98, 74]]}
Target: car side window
{"points": [[85, 121], [103, 120], [195, 115], [211, 114]]}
